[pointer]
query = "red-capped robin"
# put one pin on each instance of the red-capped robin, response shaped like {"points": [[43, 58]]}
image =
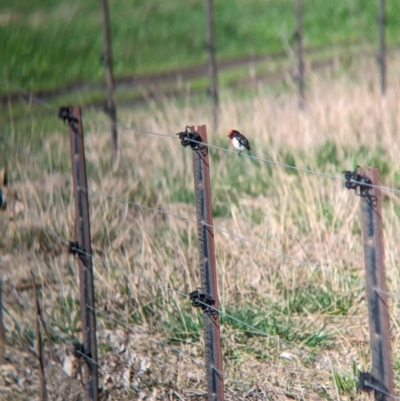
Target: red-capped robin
{"points": [[239, 141]]}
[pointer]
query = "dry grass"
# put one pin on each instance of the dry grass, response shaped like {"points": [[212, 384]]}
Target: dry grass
{"points": [[154, 349]]}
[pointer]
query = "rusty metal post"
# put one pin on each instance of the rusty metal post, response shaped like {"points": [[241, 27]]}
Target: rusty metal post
{"points": [[83, 248], [111, 107], [39, 344], [208, 271], [371, 213], [382, 45], [299, 45], [212, 64], [2, 355]]}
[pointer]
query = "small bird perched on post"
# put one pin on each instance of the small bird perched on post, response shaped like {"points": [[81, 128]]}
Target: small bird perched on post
{"points": [[239, 141]]}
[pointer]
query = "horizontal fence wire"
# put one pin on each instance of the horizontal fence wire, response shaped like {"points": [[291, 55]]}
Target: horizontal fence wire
{"points": [[37, 100], [254, 330], [166, 288], [129, 328], [71, 342], [306, 263], [230, 233], [388, 294]]}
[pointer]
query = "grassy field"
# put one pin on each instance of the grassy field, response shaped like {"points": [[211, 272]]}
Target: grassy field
{"points": [[313, 314], [48, 44]]}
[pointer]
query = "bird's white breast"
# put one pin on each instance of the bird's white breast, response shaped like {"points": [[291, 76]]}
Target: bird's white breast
{"points": [[237, 144]]}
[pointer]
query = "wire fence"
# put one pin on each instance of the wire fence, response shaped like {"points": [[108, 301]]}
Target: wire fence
{"points": [[303, 352], [210, 146], [221, 311], [105, 261]]}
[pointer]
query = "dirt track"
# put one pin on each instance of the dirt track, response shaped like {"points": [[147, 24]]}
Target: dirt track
{"points": [[151, 85]]}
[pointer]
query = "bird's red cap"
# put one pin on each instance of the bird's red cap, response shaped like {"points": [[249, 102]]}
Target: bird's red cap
{"points": [[232, 131]]}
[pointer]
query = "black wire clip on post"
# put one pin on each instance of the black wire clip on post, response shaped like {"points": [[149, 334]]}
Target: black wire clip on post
{"points": [[201, 300], [73, 248], [361, 185], [188, 137], [66, 113], [79, 352], [364, 382], [76, 250]]}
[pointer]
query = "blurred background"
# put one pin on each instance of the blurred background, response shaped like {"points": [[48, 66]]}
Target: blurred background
{"points": [[315, 87], [53, 47]]}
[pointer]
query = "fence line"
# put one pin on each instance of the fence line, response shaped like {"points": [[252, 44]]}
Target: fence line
{"points": [[230, 233], [128, 327], [233, 235], [252, 328], [208, 307], [74, 346], [182, 294], [105, 261], [172, 136], [169, 289]]}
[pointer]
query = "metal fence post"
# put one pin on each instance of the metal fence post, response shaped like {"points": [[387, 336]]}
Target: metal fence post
{"points": [[380, 379], [213, 354], [83, 248], [2, 355], [382, 45], [212, 64], [111, 107], [299, 44], [371, 214]]}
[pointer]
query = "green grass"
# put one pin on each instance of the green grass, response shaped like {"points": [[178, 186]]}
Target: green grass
{"points": [[271, 321], [346, 382], [247, 321], [313, 298], [47, 44]]}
